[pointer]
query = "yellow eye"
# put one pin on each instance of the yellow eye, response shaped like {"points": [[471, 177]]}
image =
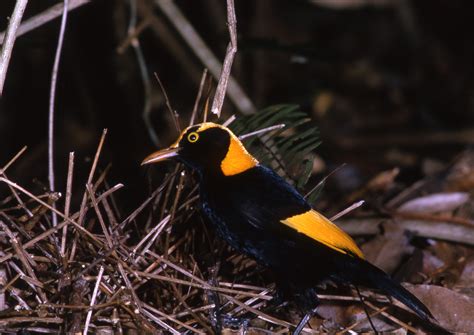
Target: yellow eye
{"points": [[193, 137]]}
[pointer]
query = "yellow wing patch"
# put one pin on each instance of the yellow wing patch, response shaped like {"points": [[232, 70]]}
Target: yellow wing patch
{"points": [[319, 228]]}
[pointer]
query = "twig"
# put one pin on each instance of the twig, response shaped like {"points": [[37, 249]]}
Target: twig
{"points": [[347, 210], [44, 17], [133, 33], [15, 194], [166, 316], [99, 215], [439, 230], [132, 38], [263, 316], [198, 97], [48, 232], [356, 323], [25, 259], [10, 37], [94, 296], [261, 131], [52, 97], [205, 55], [22, 319], [203, 286], [392, 318], [322, 181], [67, 204], [221, 89], [91, 174], [155, 232], [137, 211], [161, 323], [11, 161], [173, 113], [229, 120], [130, 288], [82, 211]]}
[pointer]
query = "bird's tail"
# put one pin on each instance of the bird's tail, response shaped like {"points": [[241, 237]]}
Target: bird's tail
{"points": [[366, 274]]}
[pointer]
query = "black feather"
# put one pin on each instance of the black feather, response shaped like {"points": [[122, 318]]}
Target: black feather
{"points": [[360, 272]]}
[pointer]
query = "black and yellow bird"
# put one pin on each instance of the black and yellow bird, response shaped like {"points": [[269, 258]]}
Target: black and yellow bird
{"points": [[260, 214]]}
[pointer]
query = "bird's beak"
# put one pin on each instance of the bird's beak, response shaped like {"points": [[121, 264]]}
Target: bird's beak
{"points": [[161, 155]]}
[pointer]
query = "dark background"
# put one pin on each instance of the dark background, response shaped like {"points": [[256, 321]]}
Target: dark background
{"points": [[389, 84]]}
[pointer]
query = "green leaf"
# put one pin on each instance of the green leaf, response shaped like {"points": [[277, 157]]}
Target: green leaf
{"points": [[287, 150]]}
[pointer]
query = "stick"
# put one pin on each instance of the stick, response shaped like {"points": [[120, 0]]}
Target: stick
{"points": [[132, 38], [205, 55], [11, 161], [173, 113], [439, 230], [70, 171], [229, 120], [10, 37], [94, 296], [347, 210], [52, 97], [198, 97], [261, 131], [44, 17], [221, 89]]}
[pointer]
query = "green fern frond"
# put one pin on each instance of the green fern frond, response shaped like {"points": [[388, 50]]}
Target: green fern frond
{"points": [[288, 150]]}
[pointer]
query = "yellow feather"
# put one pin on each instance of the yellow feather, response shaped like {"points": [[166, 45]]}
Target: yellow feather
{"points": [[319, 228]]}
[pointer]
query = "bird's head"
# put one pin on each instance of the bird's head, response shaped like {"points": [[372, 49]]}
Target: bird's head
{"points": [[209, 148]]}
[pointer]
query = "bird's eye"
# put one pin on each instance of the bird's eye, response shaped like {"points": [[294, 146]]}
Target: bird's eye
{"points": [[193, 137]]}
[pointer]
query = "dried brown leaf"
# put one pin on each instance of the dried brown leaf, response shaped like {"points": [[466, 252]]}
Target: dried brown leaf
{"points": [[435, 203], [453, 310]]}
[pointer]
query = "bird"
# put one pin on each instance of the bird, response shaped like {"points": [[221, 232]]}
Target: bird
{"points": [[261, 215]]}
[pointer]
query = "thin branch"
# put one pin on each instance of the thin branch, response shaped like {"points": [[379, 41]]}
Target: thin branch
{"points": [[160, 322], [155, 233], [347, 210], [10, 37], [99, 215], [438, 230], [70, 171], [221, 89], [203, 286], [91, 175], [322, 181], [132, 38], [173, 113], [67, 220], [229, 120], [11, 161], [205, 55], [94, 296], [261, 131], [198, 97], [44, 17], [12, 189], [52, 97]]}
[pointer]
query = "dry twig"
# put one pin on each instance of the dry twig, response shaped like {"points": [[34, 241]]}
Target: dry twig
{"points": [[52, 98], [9, 42], [205, 55]]}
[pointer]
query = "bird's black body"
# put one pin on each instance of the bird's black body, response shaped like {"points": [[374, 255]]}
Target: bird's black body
{"points": [[246, 211], [258, 213]]}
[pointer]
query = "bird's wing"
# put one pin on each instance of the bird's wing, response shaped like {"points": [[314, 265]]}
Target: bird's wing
{"points": [[319, 228], [277, 205]]}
